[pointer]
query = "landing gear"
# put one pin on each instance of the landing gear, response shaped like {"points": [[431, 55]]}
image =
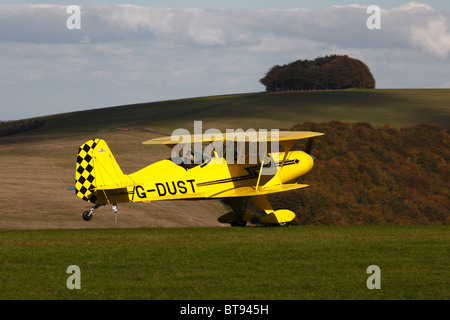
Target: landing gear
{"points": [[239, 223], [239, 216], [87, 215], [114, 207], [283, 224]]}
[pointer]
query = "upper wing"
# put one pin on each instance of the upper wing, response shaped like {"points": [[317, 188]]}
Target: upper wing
{"points": [[257, 136]]}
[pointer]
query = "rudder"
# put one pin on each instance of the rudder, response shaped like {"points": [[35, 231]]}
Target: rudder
{"points": [[96, 167]]}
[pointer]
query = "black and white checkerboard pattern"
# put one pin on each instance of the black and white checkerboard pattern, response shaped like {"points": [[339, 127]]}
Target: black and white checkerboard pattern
{"points": [[84, 174]]}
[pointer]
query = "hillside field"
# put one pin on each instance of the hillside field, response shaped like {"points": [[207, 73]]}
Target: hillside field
{"points": [[37, 166], [395, 107]]}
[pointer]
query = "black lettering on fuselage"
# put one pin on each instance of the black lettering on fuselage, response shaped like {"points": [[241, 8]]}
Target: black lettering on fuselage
{"points": [[161, 189], [181, 187], [174, 187], [140, 191], [192, 185], [174, 191]]}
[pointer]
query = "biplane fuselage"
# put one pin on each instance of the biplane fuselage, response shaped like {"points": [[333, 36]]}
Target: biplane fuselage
{"points": [[100, 180], [165, 180]]}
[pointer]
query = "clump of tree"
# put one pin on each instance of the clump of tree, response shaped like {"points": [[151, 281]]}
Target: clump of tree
{"points": [[374, 176], [331, 72], [13, 127]]}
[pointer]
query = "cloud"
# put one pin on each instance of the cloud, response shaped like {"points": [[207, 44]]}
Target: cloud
{"points": [[129, 53], [433, 38], [413, 5], [411, 25]]}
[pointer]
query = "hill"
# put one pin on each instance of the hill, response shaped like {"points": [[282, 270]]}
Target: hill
{"points": [[395, 107], [36, 166]]}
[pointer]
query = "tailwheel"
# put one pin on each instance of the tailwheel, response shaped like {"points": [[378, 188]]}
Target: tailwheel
{"points": [[239, 223], [87, 215]]}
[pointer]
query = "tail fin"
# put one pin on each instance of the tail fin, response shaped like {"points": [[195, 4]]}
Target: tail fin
{"points": [[96, 167]]}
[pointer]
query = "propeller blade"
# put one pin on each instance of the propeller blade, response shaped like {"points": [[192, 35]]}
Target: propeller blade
{"points": [[309, 145]]}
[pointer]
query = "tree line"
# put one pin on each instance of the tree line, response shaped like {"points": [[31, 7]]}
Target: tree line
{"points": [[17, 126], [331, 72], [373, 176]]}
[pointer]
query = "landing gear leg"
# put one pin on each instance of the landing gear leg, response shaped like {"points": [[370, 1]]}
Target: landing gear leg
{"points": [[114, 207], [240, 212], [87, 215]]}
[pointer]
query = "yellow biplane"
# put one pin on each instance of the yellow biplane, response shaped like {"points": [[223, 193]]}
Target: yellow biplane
{"points": [[100, 181]]}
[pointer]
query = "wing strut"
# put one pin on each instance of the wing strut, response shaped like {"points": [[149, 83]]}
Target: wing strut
{"points": [[287, 146], [262, 165]]}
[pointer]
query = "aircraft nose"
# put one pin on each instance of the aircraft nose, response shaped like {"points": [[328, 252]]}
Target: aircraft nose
{"points": [[309, 162], [305, 162], [298, 164]]}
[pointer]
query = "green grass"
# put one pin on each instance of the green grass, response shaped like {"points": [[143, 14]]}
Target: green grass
{"points": [[227, 263]]}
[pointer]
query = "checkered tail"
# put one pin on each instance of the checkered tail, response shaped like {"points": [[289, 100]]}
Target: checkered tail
{"points": [[95, 168]]}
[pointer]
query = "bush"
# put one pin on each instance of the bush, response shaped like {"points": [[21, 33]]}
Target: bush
{"points": [[365, 175], [13, 127], [323, 73]]}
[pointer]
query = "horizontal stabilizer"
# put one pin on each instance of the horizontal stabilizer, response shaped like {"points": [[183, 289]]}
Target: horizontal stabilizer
{"points": [[124, 185]]}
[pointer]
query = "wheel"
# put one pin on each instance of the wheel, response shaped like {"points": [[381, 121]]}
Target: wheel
{"points": [[87, 215], [240, 223], [281, 224], [284, 224]]}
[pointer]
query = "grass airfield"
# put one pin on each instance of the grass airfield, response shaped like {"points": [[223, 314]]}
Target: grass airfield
{"points": [[178, 250], [295, 263]]}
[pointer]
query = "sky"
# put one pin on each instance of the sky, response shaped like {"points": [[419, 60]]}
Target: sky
{"points": [[147, 51]]}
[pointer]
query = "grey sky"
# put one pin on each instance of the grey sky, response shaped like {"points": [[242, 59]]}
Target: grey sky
{"points": [[159, 50], [243, 4]]}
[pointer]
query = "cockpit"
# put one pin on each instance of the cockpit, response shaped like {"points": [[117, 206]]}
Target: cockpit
{"points": [[190, 159], [191, 156]]}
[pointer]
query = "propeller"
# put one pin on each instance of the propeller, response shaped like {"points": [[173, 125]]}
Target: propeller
{"points": [[308, 148], [309, 145]]}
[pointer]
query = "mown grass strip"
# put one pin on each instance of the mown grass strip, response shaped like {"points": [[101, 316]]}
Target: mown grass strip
{"points": [[227, 263]]}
